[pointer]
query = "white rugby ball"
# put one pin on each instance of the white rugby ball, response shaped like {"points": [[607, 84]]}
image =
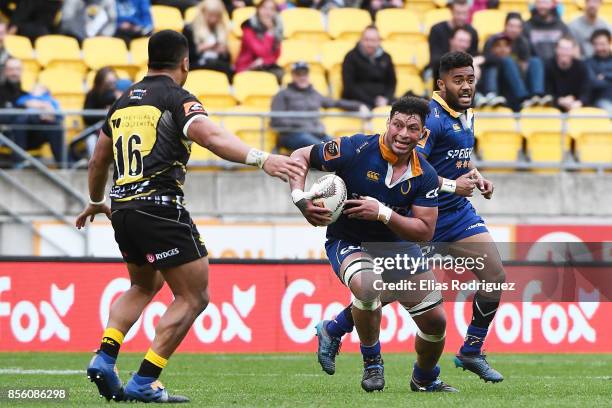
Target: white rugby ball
{"points": [[333, 194]]}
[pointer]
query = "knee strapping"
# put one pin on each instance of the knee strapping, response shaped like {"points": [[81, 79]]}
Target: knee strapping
{"points": [[432, 338], [370, 305], [356, 266], [433, 299]]}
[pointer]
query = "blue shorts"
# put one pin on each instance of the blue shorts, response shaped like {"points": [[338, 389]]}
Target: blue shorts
{"points": [[455, 225], [338, 250]]}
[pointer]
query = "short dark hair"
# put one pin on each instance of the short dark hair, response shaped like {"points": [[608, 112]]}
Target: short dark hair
{"points": [[457, 3], [411, 105], [452, 60], [167, 48], [600, 32], [512, 16], [457, 29]]}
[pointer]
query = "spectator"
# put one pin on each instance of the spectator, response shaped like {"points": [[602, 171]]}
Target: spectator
{"points": [[207, 36], [30, 131], [441, 33], [262, 35], [460, 41], [34, 18], [133, 19], [600, 70], [102, 95], [300, 96], [567, 78], [89, 18], [4, 55], [544, 29], [179, 4], [373, 6], [510, 71], [368, 74], [583, 27], [326, 5]]}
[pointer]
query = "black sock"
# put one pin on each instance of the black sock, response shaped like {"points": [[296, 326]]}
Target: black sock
{"points": [[110, 347], [483, 310], [148, 369]]}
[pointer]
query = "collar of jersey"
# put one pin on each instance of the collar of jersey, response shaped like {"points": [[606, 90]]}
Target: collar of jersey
{"points": [[391, 159], [436, 97]]}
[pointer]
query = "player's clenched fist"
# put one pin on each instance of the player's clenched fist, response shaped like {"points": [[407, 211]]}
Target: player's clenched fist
{"points": [[283, 167], [467, 183], [363, 209]]}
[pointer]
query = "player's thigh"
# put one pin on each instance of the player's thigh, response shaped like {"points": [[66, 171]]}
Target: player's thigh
{"points": [[481, 246], [146, 278], [189, 281]]}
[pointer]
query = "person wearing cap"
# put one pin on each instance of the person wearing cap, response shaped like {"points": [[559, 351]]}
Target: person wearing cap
{"points": [[300, 96], [510, 72]]}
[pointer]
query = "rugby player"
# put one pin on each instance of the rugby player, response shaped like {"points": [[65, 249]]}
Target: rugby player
{"points": [[448, 147], [386, 179], [148, 134]]}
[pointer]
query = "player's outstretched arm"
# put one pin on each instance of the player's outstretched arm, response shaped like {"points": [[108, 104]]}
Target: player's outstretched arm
{"points": [[228, 146], [97, 175]]}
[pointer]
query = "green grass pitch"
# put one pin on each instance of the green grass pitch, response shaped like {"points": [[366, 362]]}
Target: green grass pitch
{"points": [[295, 380]]}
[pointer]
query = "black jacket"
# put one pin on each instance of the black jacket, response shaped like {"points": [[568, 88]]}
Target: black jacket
{"points": [[364, 78], [573, 81]]}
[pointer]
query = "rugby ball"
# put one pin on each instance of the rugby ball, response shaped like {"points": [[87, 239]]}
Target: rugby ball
{"points": [[333, 194]]}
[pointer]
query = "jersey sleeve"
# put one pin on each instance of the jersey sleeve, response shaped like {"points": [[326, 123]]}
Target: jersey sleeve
{"points": [[332, 155], [106, 127], [185, 108], [433, 129], [427, 195]]}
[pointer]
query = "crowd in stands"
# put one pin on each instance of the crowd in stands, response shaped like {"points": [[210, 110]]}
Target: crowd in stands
{"points": [[540, 59]]}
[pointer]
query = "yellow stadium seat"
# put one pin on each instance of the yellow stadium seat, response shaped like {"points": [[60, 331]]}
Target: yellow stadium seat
{"points": [[252, 129], [91, 75], [409, 81], [420, 6], [531, 125], [317, 80], [239, 16], [519, 6], [255, 88], [57, 81], [378, 125], [70, 100], [435, 16], [190, 14], [545, 146], [487, 23], [337, 126], [59, 52], [303, 24], [403, 58], [500, 146], [301, 50], [21, 48], [503, 124], [139, 50], [594, 147], [166, 18], [598, 122], [399, 25], [332, 57], [99, 52], [73, 125], [211, 87], [347, 23], [28, 79]]}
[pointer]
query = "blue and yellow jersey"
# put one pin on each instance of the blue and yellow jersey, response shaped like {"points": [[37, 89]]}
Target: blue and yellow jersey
{"points": [[449, 146], [364, 162]]}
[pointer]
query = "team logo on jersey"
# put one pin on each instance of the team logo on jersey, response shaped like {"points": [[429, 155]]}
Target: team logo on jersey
{"points": [[331, 150], [456, 127], [372, 175], [408, 187], [193, 107]]}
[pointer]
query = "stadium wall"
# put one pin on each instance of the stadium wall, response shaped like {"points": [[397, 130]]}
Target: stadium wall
{"points": [[273, 307]]}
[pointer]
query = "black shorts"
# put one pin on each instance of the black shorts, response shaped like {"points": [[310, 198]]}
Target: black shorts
{"points": [[164, 237]]}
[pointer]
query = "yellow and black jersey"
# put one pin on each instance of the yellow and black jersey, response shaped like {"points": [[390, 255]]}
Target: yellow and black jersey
{"points": [[148, 125]]}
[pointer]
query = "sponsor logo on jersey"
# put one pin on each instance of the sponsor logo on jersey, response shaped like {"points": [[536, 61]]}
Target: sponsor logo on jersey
{"points": [[193, 107], [372, 175], [137, 94], [150, 258], [432, 194], [331, 150]]}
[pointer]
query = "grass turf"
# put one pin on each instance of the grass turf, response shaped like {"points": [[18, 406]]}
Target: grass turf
{"points": [[295, 380]]}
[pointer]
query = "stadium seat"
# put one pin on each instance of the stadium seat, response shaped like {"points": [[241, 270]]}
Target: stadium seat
{"points": [[407, 81], [255, 88], [433, 17], [301, 50], [529, 125], [347, 23], [337, 126], [500, 146], [57, 81], [544, 136], [239, 16], [489, 124], [99, 52], [211, 87], [91, 75], [420, 6], [399, 25], [404, 59], [594, 147], [166, 18], [303, 24], [519, 6], [190, 14], [317, 80], [139, 51], [487, 23], [379, 124], [545, 146], [28, 79], [599, 121], [21, 48], [253, 129], [332, 57], [59, 52]]}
